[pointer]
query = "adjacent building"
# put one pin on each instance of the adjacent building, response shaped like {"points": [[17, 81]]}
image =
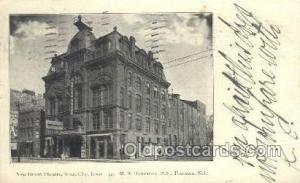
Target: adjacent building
{"points": [[29, 132], [107, 91], [25, 107]]}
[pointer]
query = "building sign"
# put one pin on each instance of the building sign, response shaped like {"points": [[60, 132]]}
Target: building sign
{"points": [[54, 125], [13, 146]]}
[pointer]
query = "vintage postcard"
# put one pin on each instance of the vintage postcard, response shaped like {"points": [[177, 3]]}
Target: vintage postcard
{"points": [[111, 91]]}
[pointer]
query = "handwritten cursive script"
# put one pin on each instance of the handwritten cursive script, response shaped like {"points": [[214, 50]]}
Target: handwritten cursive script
{"points": [[257, 45]]}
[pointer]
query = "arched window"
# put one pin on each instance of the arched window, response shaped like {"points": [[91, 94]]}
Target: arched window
{"points": [[155, 92], [138, 84], [147, 88], [129, 78], [129, 100], [52, 110], [138, 103]]}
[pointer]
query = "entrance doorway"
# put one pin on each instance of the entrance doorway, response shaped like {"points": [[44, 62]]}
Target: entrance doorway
{"points": [[75, 146]]}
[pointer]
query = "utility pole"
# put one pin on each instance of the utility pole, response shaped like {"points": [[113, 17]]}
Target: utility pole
{"points": [[18, 137]]}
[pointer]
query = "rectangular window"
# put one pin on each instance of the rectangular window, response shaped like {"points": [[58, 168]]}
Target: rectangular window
{"points": [[129, 100], [52, 107], [155, 109], [170, 139], [163, 129], [60, 105], [156, 127], [158, 140], [163, 112], [155, 92], [129, 121], [122, 119], [138, 84], [122, 99], [96, 97], [147, 88], [96, 121], [139, 123], [104, 96], [147, 107], [129, 78], [166, 141], [148, 125], [79, 97], [163, 95], [138, 103], [107, 119]]}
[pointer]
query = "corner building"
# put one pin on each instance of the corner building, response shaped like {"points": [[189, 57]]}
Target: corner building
{"points": [[108, 92]]}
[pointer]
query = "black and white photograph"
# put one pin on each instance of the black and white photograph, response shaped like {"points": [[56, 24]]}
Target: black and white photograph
{"points": [[111, 87]]}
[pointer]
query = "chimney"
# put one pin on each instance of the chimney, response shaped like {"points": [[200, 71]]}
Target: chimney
{"points": [[150, 54], [132, 46]]}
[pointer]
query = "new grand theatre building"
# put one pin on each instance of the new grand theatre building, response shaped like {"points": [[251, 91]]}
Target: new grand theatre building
{"points": [[107, 91]]}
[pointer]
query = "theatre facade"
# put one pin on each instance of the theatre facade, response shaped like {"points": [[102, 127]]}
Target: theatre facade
{"points": [[107, 92]]}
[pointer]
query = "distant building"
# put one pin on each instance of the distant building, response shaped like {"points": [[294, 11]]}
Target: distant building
{"points": [[210, 126], [108, 92], [22, 103], [29, 132]]}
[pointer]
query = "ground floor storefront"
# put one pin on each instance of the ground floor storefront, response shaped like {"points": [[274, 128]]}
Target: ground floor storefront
{"points": [[29, 148], [87, 146]]}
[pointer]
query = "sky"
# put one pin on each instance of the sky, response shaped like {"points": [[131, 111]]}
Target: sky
{"points": [[183, 42]]}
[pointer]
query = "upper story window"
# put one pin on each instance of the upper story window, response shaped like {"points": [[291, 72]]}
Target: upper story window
{"points": [[164, 129], [109, 45], [138, 103], [107, 116], [147, 88], [155, 92], [130, 121], [52, 106], [148, 125], [129, 78], [129, 99], [96, 121], [156, 127], [163, 95], [76, 88], [100, 96], [122, 119], [122, 97], [60, 105], [147, 106], [77, 97], [139, 84], [139, 123], [155, 109], [163, 112]]}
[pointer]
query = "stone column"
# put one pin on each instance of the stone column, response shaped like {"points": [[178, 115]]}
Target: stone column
{"points": [[116, 146], [83, 146], [88, 146], [97, 149], [105, 148]]}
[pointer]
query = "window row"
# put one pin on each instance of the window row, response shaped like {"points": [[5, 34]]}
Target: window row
{"points": [[167, 140], [139, 87], [29, 122], [102, 120], [148, 108], [147, 127]]}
